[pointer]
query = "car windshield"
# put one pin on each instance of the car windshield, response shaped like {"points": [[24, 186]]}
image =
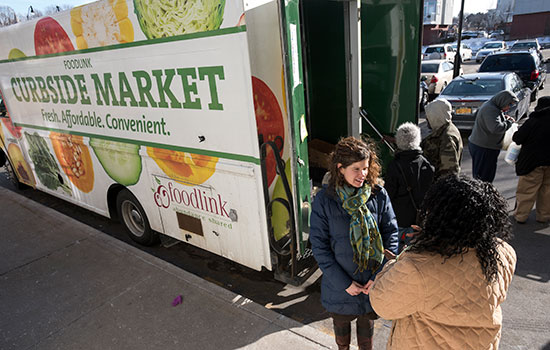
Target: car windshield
{"points": [[492, 46], [430, 67], [501, 63], [473, 87], [523, 45], [434, 49]]}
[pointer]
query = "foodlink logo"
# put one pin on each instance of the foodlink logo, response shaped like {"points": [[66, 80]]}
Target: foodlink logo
{"points": [[174, 88], [166, 195], [78, 63]]}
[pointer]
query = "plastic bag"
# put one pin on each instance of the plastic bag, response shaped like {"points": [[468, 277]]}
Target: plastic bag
{"points": [[507, 140], [512, 153]]}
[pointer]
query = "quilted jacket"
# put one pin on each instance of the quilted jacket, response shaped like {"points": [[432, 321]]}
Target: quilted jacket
{"points": [[442, 304], [330, 242]]}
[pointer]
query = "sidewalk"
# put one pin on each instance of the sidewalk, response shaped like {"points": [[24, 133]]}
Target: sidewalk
{"points": [[64, 285]]}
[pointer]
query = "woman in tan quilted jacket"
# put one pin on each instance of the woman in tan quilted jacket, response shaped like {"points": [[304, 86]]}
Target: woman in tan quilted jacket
{"points": [[445, 290]]}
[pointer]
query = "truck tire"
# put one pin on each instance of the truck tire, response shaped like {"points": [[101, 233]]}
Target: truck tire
{"points": [[12, 176], [3, 157], [134, 219]]}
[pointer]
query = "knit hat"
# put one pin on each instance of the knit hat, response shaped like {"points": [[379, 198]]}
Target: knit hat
{"points": [[407, 136]]}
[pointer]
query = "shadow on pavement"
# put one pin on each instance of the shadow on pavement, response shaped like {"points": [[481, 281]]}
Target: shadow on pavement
{"points": [[531, 242]]}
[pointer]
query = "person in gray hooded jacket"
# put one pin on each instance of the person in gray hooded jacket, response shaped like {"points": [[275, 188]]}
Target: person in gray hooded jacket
{"points": [[490, 126]]}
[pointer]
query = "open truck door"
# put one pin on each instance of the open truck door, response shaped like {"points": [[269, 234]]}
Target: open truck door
{"points": [[301, 33]]}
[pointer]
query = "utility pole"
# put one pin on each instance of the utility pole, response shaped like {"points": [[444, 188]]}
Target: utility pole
{"points": [[458, 58]]}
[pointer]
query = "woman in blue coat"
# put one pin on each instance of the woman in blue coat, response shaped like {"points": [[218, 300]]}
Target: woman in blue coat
{"points": [[352, 223]]}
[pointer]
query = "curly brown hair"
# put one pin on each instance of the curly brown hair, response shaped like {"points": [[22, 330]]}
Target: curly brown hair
{"points": [[348, 151]]}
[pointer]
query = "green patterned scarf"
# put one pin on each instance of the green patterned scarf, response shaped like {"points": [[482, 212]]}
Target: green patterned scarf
{"points": [[365, 238]]}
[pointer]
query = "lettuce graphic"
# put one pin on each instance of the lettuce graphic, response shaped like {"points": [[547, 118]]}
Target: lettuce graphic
{"points": [[164, 18]]}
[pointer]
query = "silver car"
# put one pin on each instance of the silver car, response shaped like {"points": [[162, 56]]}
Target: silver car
{"points": [[489, 48], [468, 92]]}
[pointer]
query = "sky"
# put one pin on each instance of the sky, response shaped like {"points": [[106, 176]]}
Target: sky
{"points": [[22, 6], [474, 6]]}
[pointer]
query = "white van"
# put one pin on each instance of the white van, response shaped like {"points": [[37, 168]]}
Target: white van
{"points": [[439, 52]]}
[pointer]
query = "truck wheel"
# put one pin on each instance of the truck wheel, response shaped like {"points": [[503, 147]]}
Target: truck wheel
{"points": [[12, 176], [135, 220]]}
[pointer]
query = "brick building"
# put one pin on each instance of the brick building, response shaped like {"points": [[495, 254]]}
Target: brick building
{"points": [[531, 19], [438, 18]]}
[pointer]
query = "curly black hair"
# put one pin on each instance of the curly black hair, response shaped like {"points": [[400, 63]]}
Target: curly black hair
{"points": [[459, 213]]}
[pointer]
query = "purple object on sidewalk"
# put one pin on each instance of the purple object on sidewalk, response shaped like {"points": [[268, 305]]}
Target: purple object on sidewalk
{"points": [[177, 301]]}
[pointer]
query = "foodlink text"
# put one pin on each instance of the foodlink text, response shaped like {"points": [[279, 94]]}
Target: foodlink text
{"points": [[174, 88], [78, 63]]}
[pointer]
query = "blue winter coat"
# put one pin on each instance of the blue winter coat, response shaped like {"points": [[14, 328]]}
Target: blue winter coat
{"points": [[330, 242]]}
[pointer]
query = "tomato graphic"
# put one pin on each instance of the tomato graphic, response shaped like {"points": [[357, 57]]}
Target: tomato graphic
{"points": [[14, 130], [49, 37], [269, 121]]}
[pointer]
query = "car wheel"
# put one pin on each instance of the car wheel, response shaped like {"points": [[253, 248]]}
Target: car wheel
{"points": [[134, 219], [534, 95]]}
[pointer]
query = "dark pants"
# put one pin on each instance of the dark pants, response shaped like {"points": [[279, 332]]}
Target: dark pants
{"points": [[484, 162], [365, 330]]}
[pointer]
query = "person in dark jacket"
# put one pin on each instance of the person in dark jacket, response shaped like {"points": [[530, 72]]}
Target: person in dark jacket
{"points": [[533, 165], [490, 126], [352, 223], [408, 177]]}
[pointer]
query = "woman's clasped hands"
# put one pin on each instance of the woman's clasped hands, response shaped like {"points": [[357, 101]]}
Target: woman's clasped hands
{"points": [[356, 288]]}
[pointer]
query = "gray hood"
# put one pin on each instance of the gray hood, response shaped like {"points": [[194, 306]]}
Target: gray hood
{"points": [[438, 113], [504, 99]]}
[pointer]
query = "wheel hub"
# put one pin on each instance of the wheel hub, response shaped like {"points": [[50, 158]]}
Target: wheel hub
{"points": [[133, 218]]}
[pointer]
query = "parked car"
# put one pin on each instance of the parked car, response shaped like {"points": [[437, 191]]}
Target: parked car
{"points": [[439, 52], [497, 34], [530, 44], [465, 51], [438, 74], [468, 92], [489, 48], [469, 34], [527, 44], [526, 64]]}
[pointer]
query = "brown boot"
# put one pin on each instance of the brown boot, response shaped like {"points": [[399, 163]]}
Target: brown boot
{"points": [[342, 331], [365, 331]]}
